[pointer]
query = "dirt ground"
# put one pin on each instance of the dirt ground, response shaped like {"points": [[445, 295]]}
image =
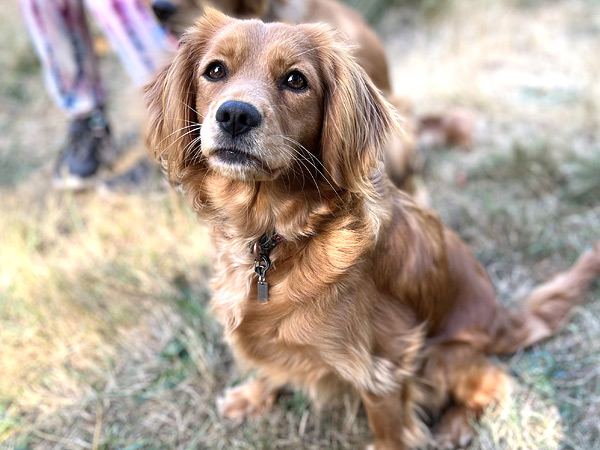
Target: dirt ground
{"points": [[107, 340]]}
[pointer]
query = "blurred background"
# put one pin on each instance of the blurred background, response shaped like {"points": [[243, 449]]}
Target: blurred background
{"points": [[106, 341]]}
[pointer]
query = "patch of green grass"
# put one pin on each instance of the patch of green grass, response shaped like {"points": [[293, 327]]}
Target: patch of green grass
{"points": [[23, 65], [8, 421], [583, 179], [14, 168], [534, 167], [373, 10], [144, 444], [537, 368], [192, 300], [169, 378], [297, 402]]}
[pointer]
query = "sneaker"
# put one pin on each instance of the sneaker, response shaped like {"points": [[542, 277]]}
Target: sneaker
{"points": [[89, 138]]}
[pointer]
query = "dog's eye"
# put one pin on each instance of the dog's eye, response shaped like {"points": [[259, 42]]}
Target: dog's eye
{"points": [[296, 81], [215, 71]]}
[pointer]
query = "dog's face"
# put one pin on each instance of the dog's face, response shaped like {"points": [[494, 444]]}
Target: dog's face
{"points": [[252, 101], [261, 104]]}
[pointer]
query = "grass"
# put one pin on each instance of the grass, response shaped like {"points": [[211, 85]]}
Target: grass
{"points": [[373, 10], [107, 340]]}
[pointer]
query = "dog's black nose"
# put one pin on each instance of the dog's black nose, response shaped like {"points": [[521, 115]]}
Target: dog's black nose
{"points": [[163, 9], [237, 117]]}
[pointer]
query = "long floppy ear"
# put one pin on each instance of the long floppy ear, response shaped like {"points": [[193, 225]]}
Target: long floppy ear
{"points": [[173, 134], [356, 120]]}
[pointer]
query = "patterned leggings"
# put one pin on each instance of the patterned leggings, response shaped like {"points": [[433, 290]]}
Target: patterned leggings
{"points": [[62, 39]]}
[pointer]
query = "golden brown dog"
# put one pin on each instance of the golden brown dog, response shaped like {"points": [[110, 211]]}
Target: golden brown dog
{"points": [[326, 274], [403, 162]]}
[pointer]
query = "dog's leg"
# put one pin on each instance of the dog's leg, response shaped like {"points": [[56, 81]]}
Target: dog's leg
{"points": [[393, 419], [472, 384], [252, 398]]}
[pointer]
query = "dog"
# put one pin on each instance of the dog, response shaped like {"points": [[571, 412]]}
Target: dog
{"points": [[328, 277], [404, 163]]}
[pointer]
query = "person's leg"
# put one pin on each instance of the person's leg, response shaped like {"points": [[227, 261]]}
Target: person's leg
{"points": [[142, 44], [62, 40], [143, 47]]}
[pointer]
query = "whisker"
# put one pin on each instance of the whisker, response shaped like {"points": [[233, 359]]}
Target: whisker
{"points": [[313, 165], [302, 172], [175, 141], [180, 119], [178, 130], [262, 162], [192, 109], [203, 179], [294, 171], [307, 169], [192, 144], [309, 153]]}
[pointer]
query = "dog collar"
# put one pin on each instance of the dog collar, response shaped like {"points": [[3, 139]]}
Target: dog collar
{"points": [[265, 244], [261, 250]]}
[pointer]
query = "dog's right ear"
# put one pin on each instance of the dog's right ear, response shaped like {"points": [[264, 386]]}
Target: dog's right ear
{"points": [[173, 134]]}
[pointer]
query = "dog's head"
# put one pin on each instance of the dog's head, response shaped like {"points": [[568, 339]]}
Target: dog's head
{"points": [[253, 101]]}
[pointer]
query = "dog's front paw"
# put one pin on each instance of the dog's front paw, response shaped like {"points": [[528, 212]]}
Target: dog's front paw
{"points": [[248, 400]]}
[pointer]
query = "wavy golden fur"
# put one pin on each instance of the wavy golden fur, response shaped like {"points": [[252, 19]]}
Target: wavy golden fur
{"points": [[367, 291]]}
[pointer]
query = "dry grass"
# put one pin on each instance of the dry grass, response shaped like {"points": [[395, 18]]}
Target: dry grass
{"points": [[106, 338]]}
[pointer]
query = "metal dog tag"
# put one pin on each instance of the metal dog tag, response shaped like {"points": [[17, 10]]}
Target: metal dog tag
{"points": [[263, 291]]}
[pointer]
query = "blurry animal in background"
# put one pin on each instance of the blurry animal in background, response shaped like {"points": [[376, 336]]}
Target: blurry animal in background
{"points": [[455, 127], [404, 164], [328, 277]]}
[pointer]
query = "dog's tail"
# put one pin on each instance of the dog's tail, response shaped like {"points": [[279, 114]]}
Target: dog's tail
{"points": [[547, 308]]}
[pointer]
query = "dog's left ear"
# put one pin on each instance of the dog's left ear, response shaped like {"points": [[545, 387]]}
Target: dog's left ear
{"points": [[174, 125], [356, 120]]}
